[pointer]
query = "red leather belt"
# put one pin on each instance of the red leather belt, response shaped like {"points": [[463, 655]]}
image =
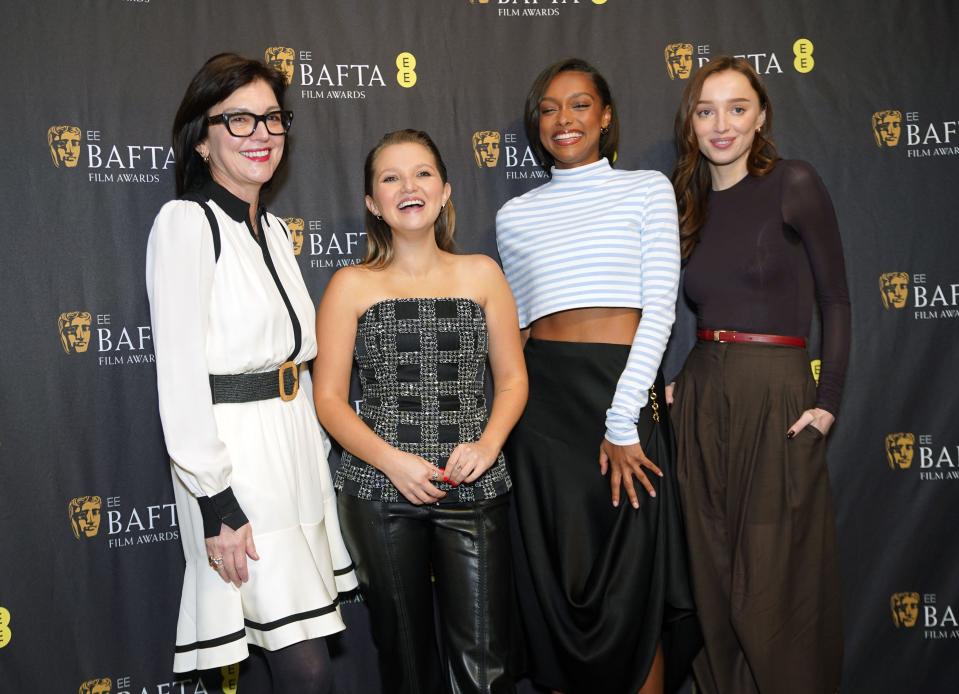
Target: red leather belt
{"points": [[736, 336]]}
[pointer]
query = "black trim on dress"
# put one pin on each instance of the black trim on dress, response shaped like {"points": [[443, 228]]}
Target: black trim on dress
{"points": [[211, 643]]}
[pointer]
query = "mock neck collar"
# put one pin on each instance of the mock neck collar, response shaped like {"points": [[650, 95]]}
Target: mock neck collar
{"points": [[581, 172]]}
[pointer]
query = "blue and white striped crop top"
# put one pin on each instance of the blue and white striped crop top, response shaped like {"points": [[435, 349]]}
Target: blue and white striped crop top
{"points": [[594, 236]]}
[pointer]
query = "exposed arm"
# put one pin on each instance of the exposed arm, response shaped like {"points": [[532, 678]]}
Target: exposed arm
{"points": [[336, 326], [469, 461]]}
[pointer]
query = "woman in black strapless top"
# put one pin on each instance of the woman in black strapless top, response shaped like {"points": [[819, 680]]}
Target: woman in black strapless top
{"points": [[423, 484]]}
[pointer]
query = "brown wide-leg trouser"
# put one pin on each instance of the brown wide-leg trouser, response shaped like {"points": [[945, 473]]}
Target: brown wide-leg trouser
{"points": [[759, 521]]}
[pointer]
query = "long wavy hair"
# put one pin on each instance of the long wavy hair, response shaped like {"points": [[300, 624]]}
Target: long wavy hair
{"points": [[379, 238], [691, 177]]}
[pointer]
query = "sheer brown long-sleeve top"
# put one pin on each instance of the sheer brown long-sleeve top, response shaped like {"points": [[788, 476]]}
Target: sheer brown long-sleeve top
{"points": [[770, 248]]}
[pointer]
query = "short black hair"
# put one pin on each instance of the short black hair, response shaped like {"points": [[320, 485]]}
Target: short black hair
{"points": [[608, 142]]}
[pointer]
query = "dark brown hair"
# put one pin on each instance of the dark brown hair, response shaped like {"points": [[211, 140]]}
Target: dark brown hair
{"points": [[379, 238], [691, 177], [219, 77], [608, 141]]}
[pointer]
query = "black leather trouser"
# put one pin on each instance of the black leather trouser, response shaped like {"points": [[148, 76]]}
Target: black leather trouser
{"points": [[394, 546]]}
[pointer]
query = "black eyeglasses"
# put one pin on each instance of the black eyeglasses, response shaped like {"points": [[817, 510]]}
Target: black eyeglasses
{"points": [[243, 124]]}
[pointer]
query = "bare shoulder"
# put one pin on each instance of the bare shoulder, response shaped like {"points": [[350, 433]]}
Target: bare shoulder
{"points": [[349, 287], [480, 266]]}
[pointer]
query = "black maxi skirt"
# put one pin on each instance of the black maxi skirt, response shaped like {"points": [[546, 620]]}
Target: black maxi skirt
{"points": [[598, 587]]}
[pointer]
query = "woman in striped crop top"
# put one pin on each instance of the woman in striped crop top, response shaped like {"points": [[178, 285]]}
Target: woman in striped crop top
{"points": [[592, 257]]}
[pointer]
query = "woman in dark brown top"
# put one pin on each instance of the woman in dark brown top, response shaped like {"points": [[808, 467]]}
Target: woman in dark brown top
{"points": [[761, 244]]}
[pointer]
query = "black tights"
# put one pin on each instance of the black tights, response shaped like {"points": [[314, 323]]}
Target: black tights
{"points": [[303, 668]]}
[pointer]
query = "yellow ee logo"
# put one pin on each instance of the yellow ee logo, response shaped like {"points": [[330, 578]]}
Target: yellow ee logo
{"points": [[406, 69], [816, 366], [803, 62], [599, 2], [231, 678], [5, 633]]}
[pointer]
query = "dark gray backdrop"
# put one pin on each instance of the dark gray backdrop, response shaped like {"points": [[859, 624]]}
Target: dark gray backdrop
{"points": [[78, 423]]}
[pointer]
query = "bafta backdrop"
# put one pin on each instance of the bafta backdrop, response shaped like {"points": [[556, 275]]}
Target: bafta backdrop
{"points": [[90, 558]]}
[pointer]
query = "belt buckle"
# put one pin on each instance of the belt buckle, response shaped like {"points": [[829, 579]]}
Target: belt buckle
{"points": [[289, 366], [719, 338]]}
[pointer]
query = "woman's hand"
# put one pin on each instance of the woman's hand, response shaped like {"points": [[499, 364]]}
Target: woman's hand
{"points": [[232, 547], [468, 461], [413, 477], [669, 393], [625, 463], [818, 418]]}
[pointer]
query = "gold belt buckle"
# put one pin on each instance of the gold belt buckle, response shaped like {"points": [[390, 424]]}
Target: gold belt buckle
{"points": [[717, 337], [289, 366]]}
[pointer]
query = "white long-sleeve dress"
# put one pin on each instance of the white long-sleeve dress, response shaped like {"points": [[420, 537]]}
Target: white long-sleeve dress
{"points": [[227, 316]]}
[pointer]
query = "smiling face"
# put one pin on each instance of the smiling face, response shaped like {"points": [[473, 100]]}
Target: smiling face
{"points": [[243, 164], [408, 190], [571, 115], [726, 118]]}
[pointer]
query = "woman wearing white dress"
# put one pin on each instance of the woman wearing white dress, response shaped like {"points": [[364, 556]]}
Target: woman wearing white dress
{"points": [[233, 327]]}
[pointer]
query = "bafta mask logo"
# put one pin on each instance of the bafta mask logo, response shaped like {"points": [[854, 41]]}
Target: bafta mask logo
{"points": [[887, 127], [100, 685], [894, 287], [74, 331], [900, 448], [905, 609], [84, 513], [283, 60], [6, 633], [296, 226], [679, 60], [64, 143], [486, 148]]}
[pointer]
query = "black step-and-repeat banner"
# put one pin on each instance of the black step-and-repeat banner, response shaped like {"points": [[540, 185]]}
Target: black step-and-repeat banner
{"points": [[90, 558]]}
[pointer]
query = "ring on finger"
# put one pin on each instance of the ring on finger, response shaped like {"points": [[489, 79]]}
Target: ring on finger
{"points": [[435, 474], [216, 563]]}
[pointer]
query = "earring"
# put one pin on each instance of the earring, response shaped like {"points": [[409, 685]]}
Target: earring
{"points": [[378, 217], [604, 130], [205, 158]]}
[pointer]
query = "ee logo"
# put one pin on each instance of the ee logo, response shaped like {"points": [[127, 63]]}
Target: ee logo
{"points": [[5, 633], [803, 62], [231, 678], [406, 69]]}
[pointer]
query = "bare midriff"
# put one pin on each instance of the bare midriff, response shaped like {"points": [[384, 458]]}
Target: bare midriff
{"points": [[616, 326]]}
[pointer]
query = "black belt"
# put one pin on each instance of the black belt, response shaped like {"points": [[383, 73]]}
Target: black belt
{"points": [[284, 383]]}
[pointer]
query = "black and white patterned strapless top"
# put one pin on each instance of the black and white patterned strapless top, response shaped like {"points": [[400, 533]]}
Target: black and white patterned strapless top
{"points": [[422, 363]]}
